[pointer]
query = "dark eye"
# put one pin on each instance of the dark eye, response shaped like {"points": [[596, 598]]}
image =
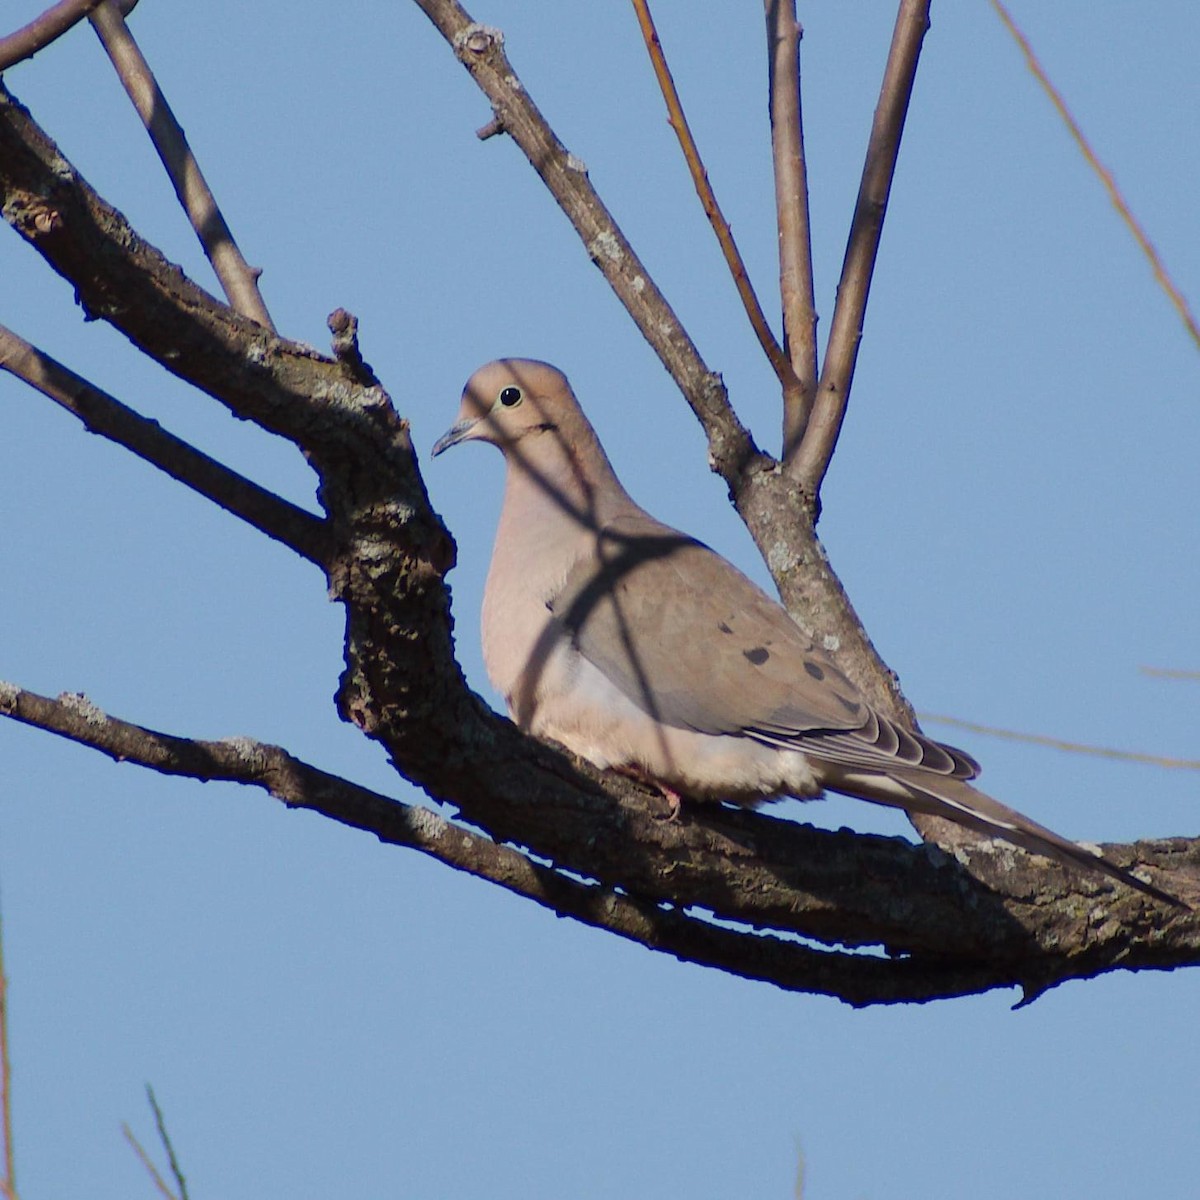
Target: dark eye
{"points": [[510, 396]]}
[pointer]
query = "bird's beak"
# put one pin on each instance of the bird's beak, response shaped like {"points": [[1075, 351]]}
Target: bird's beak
{"points": [[454, 435]]}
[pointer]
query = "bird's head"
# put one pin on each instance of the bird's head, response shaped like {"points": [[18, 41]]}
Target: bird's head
{"points": [[509, 399]]}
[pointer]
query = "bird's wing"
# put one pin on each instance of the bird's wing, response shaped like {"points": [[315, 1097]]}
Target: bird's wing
{"points": [[697, 645]]}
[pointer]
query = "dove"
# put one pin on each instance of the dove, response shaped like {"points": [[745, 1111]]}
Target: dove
{"points": [[640, 649]]}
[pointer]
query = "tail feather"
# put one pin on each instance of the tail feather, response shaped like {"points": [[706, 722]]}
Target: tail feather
{"points": [[939, 796]]}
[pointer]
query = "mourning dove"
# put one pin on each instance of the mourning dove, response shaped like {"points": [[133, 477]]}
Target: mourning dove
{"points": [[639, 648]]}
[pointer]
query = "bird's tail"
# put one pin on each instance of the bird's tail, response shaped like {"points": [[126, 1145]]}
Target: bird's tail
{"points": [[940, 796]]}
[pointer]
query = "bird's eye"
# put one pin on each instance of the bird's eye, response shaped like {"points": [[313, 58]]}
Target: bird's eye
{"points": [[510, 397]]}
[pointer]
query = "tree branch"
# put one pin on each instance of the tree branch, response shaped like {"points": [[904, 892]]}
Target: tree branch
{"points": [[812, 457], [788, 378], [100, 413], [300, 785], [481, 50], [238, 279], [42, 30], [854, 978], [791, 208]]}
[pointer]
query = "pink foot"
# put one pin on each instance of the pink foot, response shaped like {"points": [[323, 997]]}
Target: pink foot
{"points": [[670, 795]]}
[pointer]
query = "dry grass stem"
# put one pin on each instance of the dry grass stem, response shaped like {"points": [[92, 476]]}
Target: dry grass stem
{"points": [[151, 1169], [1170, 673]]}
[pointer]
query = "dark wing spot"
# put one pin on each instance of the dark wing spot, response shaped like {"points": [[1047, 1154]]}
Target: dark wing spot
{"points": [[758, 655], [812, 669], [851, 706], [723, 627]]}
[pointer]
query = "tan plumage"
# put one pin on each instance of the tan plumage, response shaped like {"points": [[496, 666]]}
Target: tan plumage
{"points": [[638, 647]]}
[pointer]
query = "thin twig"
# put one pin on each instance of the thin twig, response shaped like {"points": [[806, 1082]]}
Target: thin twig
{"points": [[238, 279], [1170, 673], [812, 458], [788, 379], [100, 413], [791, 209], [25, 42], [1103, 173], [1039, 739], [147, 1162], [8, 1185], [165, 1138]]}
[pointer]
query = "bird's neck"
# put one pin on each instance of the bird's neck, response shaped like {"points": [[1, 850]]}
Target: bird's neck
{"points": [[565, 475]]}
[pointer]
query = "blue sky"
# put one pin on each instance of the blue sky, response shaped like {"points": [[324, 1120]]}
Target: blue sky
{"points": [[1012, 508]]}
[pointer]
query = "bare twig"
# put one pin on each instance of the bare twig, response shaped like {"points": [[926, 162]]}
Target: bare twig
{"points": [[42, 30], [788, 379], [159, 1182], [1040, 739], [102, 414], [1103, 173], [811, 461], [481, 50], [238, 279], [791, 207], [165, 1138], [8, 1185]]}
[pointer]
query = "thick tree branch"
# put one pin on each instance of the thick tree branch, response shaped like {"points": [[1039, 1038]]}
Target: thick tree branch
{"points": [[856, 979], [812, 457], [788, 379], [102, 414], [300, 785], [791, 209], [238, 279], [481, 50], [25, 42]]}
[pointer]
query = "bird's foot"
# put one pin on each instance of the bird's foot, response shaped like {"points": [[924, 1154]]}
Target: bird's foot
{"points": [[670, 795]]}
